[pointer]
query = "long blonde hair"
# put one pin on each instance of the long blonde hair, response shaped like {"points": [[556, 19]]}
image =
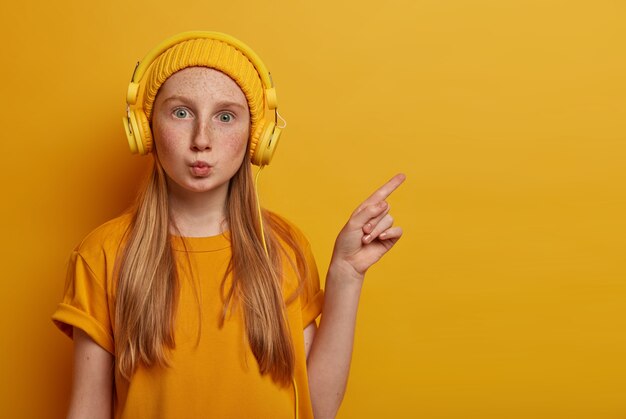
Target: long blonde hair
{"points": [[148, 281]]}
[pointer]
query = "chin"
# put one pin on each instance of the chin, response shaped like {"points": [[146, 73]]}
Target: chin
{"points": [[204, 186]]}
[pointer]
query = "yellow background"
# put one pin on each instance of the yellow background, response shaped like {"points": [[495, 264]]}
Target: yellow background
{"points": [[507, 296]]}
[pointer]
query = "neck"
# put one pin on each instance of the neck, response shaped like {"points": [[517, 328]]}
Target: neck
{"points": [[198, 214]]}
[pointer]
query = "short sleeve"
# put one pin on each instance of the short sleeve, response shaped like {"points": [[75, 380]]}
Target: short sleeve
{"points": [[85, 304], [312, 297]]}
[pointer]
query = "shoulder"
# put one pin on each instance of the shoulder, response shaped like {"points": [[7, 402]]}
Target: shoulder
{"points": [[301, 262], [105, 239], [284, 227]]}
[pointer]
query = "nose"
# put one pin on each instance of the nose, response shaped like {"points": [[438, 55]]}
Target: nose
{"points": [[202, 137]]}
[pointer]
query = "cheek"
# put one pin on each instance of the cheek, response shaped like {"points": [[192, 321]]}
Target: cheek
{"points": [[237, 143], [164, 139]]}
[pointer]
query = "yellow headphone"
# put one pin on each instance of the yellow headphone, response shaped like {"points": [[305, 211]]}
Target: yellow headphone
{"points": [[263, 140]]}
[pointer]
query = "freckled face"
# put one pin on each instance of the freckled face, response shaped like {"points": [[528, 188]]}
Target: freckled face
{"points": [[200, 126]]}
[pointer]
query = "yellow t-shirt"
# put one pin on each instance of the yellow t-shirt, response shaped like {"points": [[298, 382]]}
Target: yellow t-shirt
{"points": [[215, 377]]}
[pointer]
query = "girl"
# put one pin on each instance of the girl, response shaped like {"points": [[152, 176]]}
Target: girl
{"points": [[196, 303]]}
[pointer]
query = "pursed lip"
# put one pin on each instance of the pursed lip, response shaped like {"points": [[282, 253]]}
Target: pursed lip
{"points": [[200, 164], [200, 168]]}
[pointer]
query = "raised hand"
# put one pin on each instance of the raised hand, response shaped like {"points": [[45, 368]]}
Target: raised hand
{"points": [[368, 234]]}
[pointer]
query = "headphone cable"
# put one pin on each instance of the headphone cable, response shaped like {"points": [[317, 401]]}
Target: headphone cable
{"points": [[258, 206]]}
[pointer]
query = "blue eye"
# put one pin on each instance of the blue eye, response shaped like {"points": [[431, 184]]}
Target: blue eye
{"points": [[181, 113], [226, 117]]}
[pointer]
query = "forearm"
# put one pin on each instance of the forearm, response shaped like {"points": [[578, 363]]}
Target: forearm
{"points": [[93, 380], [366, 237], [331, 351]]}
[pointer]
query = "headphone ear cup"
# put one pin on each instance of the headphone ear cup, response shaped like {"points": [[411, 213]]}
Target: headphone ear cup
{"points": [[263, 143], [140, 140], [130, 136]]}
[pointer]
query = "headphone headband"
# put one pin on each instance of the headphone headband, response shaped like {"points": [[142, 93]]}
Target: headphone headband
{"points": [[144, 64]]}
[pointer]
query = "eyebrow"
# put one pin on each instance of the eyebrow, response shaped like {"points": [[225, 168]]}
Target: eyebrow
{"points": [[220, 104]]}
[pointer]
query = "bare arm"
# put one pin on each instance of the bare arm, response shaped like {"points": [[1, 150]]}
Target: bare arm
{"points": [[367, 236], [92, 387]]}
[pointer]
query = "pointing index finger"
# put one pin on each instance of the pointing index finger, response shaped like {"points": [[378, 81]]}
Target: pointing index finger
{"points": [[384, 191]]}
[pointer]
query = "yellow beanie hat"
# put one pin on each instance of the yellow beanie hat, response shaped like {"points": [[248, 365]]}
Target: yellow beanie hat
{"points": [[213, 53]]}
